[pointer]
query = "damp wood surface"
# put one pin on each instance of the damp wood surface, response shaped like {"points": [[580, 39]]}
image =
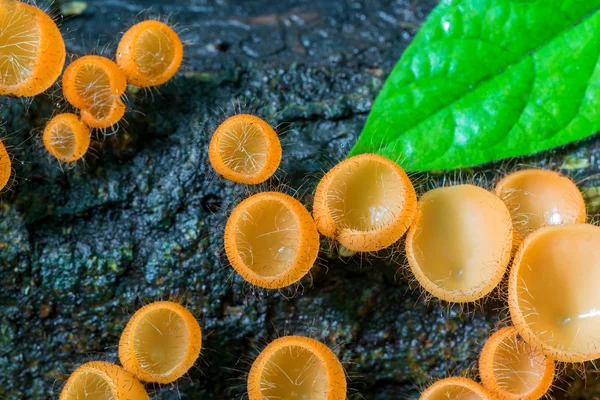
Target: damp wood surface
{"points": [[142, 219]]}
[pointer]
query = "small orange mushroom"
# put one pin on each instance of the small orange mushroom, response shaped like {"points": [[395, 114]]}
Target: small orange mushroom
{"points": [[150, 53], [553, 291], [32, 50], [512, 370], [99, 380], [460, 243], [271, 240], [245, 149], [537, 197], [456, 388], [365, 202], [66, 137], [5, 166], [296, 367], [95, 85], [161, 342]]}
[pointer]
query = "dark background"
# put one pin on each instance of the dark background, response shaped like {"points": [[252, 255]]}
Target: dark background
{"points": [[141, 219]]}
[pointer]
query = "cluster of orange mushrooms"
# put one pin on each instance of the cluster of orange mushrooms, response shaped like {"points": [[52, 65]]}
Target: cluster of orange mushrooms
{"points": [[160, 343], [460, 242], [32, 57]]}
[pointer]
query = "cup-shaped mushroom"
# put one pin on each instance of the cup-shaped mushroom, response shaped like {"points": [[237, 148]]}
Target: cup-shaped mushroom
{"points": [[460, 243], [161, 342], [271, 240], [553, 291], [150, 53], [95, 85], [66, 137], [537, 198], [366, 202], [456, 388], [512, 370], [296, 367], [245, 149], [99, 380], [32, 50]]}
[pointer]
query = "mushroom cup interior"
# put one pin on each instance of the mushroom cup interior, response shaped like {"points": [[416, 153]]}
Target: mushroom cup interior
{"points": [[243, 147], [160, 341], [537, 198], [19, 41], [557, 290], [92, 84], [266, 237], [516, 369], [453, 392], [365, 195], [462, 235], [294, 372], [62, 140], [154, 52], [90, 386]]}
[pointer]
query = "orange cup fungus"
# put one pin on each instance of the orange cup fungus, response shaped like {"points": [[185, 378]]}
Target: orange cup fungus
{"points": [[5, 166], [456, 388], [296, 367], [511, 370], [161, 342], [245, 149], [271, 240], [553, 291], [32, 50], [66, 137], [537, 197], [149, 53], [460, 243], [365, 202], [99, 380], [95, 85]]}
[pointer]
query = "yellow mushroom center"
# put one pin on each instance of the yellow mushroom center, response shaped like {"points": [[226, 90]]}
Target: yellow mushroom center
{"points": [[557, 288], [92, 84], [538, 198], [294, 372], [160, 341], [365, 195], [243, 147], [454, 392], [19, 42], [62, 141], [517, 370], [461, 238], [154, 52], [90, 386], [267, 236]]}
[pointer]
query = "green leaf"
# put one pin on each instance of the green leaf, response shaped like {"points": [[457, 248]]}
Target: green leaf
{"points": [[490, 79]]}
